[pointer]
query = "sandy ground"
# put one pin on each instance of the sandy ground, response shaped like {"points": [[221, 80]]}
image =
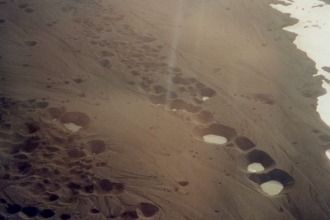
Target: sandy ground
{"points": [[132, 75]]}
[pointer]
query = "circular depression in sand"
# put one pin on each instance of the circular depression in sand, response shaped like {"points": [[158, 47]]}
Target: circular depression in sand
{"points": [[74, 121], [256, 161], [274, 182], [272, 187], [72, 127], [255, 167], [327, 152], [214, 139], [204, 98], [214, 133]]}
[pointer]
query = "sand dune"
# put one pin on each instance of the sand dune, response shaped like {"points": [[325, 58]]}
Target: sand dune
{"points": [[115, 110]]}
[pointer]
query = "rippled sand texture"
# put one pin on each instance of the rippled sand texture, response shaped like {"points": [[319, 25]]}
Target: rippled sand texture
{"points": [[105, 106]]}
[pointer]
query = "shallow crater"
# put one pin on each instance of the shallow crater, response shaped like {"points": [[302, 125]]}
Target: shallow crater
{"points": [[276, 175], [215, 129], [245, 162], [74, 121], [244, 144]]}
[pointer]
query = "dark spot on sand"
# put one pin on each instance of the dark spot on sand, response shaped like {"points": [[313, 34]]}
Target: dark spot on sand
{"points": [[30, 211], [147, 209], [78, 80], [95, 211], [12, 209], [65, 216], [30, 43], [106, 185], [183, 183], [47, 213]]}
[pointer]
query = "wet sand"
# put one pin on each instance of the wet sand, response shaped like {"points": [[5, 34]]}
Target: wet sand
{"points": [[141, 84]]}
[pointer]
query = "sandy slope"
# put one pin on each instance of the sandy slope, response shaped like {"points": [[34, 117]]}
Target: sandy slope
{"points": [[118, 69]]}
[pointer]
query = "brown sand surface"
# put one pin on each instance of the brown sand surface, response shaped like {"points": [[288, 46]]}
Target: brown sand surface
{"points": [[118, 69]]}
